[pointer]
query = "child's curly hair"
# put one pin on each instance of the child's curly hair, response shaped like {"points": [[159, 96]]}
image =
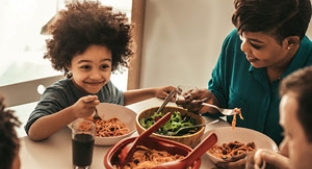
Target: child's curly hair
{"points": [[83, 24], [9, 141]]}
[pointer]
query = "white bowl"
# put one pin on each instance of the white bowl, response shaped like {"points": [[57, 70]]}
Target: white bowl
{"points": [[243, 135], [124, 114]]}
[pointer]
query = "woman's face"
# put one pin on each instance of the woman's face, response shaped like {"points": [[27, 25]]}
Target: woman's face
{"points": [[92, 69], [295, 144], [262, 50]]}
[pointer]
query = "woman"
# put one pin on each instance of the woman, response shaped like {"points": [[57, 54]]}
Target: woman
{"points": [[268, 44]]}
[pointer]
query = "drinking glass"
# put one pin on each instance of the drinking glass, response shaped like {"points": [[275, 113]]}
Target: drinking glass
{"points": [[83, 132]]}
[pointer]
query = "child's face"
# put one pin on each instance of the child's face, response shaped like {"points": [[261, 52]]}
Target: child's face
{"points": [[295, 144], [92, 69]]}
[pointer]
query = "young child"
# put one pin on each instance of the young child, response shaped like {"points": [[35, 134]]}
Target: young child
{"points": [[88, 42], [295, 118], [9, 142]]}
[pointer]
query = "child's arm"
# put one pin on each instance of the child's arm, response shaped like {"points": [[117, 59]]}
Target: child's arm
{"points": [[136, 95], [45, 126]]}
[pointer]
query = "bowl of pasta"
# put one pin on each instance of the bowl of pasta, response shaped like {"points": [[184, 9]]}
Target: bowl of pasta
{"points": [[115, 125], [233, 142], [180, 117], [150, 153]]}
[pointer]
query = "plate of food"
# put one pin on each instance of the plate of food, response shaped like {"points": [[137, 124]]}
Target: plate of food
{"points": [[117, 123], [232, 142]]}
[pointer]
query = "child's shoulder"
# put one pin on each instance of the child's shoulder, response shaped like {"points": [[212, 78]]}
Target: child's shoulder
{"points": [[62, 84]]}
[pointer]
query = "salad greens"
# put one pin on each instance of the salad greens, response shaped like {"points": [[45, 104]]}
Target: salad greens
{"points": [[175, 123]]}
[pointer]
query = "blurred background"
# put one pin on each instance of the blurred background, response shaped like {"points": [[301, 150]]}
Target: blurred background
{"points": [[22, 38], [182, 40], [178, 41]]}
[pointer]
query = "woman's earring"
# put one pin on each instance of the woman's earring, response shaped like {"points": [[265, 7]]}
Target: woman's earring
{"points": [[288, 47]]}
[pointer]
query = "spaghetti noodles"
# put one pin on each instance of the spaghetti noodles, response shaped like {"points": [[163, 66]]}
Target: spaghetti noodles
{"points": [[144, 158], [110, 127], [228, 150], [236, 111]]}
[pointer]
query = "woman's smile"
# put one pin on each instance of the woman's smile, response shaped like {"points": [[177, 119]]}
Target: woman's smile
{"points": [[251, 59]]}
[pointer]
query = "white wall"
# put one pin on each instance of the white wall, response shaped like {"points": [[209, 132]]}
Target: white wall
{"points": [[182, 40]]}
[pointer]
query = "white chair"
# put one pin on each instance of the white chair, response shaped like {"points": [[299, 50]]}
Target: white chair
{"points": [[23, 97], [26, 92]]}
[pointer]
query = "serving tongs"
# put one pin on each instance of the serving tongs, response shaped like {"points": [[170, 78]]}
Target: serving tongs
{"points": [[198, 151], [128, 151]]}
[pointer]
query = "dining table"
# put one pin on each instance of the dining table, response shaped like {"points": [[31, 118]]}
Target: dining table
{"points": [[55, 152]]}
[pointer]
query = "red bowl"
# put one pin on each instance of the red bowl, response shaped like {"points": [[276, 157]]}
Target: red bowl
{"points": [[172, 147]]}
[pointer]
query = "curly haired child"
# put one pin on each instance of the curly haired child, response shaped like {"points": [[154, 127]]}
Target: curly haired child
{"points": [[89, 41], [9, 141]]}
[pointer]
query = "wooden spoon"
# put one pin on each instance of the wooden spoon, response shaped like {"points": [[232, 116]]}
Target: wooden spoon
{"points": [[127, 152], [198, 151]]}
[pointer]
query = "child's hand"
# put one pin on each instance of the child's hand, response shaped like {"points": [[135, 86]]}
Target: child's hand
{"points": [[85, 106], [163, 92]]}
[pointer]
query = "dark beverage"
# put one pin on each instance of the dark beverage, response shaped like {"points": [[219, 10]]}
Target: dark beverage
{"points": [[82, 145]]}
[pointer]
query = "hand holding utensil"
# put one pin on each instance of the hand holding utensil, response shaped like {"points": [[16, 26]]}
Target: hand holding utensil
{"points": [[96, 115], [128, 151], [198, 151], [167, 99], [226, 112]]}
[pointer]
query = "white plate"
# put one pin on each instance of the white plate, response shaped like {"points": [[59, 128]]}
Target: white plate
{"points": [[124, 114], [244, 135]]}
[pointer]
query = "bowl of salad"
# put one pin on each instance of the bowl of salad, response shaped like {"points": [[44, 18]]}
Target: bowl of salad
{"points": [[180, 117]]}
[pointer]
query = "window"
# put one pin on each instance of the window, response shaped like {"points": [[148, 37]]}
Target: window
{"points": [[23, 45]]}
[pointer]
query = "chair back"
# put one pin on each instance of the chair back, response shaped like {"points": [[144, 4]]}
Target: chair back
{"points": [[26, 92]]}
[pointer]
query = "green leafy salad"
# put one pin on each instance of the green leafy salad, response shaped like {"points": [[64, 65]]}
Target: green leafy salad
{"points": [[177, 120]]}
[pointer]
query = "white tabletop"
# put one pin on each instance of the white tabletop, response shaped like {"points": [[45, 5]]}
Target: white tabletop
{"points": [[56, 151]]}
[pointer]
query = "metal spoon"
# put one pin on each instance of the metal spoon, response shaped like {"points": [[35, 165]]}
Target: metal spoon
{"points": [[172, 133], [198, 151]]}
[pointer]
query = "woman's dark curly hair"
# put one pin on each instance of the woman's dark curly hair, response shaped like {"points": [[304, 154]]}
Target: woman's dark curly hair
{"points": [[83, 24], [279, 18], [9, 141]]}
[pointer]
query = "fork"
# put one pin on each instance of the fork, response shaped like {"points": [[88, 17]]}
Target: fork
{"points": [[167, 99], [172, 133], [96, 115], [226, 112]]}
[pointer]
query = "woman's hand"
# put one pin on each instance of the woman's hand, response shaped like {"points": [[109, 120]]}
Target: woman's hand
{"points": [[193, 100], [85, 106]]}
